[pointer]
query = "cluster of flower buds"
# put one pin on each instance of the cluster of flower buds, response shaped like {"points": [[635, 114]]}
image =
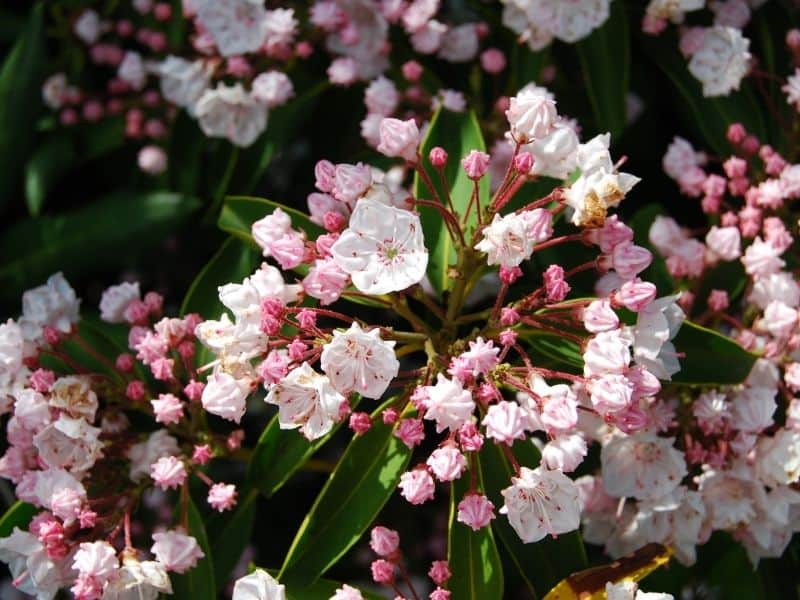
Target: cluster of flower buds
{"points": [[470, 375], [740, 444], [92, 436]]}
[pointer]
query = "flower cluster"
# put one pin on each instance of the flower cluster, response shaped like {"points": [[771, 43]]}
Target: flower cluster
{"points": [[75, 454]]}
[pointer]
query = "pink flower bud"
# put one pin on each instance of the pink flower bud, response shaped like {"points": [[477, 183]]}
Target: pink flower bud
{"points": [[154, 302], [51, 335], [653, 25], [628, 260], [168, 472], [736, 133], [42, 380], [508, 337], [152, 160], [555, 285], [711, 204], [475, 511], [750, 145], [382, 571], [447, 463], [523, 162], [296, 349], [438, 157], [162, 369], [509, 316], [384, 541], [194, 390], [718, 300], [333, 221], [493, 61], [324, 172], [390, 416], [201, 454], [399, 138], [360, 422], [509, 275], [440, 594], [470, 438], [475, 164], [417, 486], [303, 49], [412, 71], [411, 432], [135, 390], [735, 167], [439, 572], [68, 117], [167, 409], [636, 295], [222, 496], [234, 441]]}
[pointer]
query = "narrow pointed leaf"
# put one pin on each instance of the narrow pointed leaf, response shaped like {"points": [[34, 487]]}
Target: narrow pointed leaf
{"points": [[230, 534], [364, 479], [472, 555], [19, 515], [197, 583], [710, 358]]}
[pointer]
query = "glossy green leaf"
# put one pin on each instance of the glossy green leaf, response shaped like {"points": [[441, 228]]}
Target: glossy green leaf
{"points": [[542, 564], [19, 515], [458, 134], [94, 140], [21, 77], [230, 534], [197, 583], [710, 358], [49, 162], [711, 116], [240, 212], [605, 63], [279, 453], [364, 479], [87, 239], [477, 573], [566, 353]]}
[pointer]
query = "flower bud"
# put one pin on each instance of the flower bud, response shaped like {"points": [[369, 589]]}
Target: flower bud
{"points": [[399, 138], [438, 157], [475, 164], [384, 541]]}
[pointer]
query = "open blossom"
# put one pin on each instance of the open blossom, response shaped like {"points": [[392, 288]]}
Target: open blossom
{"points": [[360, 361], [642, 466], [506, 241], [182, 82], [53, 304], [258, 585], [655, 327], [96, 559], [506, 422], [448, 403], [272, 88], [306, 400], [225, 395], [383, 248], [541, 502], [722, 60], [230, 112], [69, 443], [177, 551], [237, 26], [138, 579]]}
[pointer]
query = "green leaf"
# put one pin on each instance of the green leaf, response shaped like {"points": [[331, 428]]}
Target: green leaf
{"points": [[231, 536], [87, 239], [605, 62], [728, 276], [186, 146], [197, 583], [279, 453], [472, 555], [240, 212], [458, 134], [281, 127], [710, 115], [21, 78], [48, 164], [710, 358], [526, 66], [542, 564], [364, 479], [566, 353], [19, 515]]}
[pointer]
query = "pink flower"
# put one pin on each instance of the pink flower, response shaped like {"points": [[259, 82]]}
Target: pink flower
{"points": [[399, 138], [718, 300], [439, 572], [531, 115], [178, 552], [607, 352], [201, 454], [505, 422], [481, 357], [611, 393], [493, 60], [628, 260], [447, 463], [289, 250], [470, 438], [271, 228], [440, 594], [325, 281], [761, 259], [383, 541], [343, 71], [222, 496], [417, 486], [599, 316], [635, 295], [360, 422], [382, 571], [168, 472], [411, 432], [96, 559], [168, 409], [475, 164], [554, 284], [475, 511], [448, 403], [724, 242], [564, 452]]}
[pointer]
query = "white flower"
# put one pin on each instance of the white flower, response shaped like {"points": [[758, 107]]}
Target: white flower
{"points": [[230, 112], [225, 394], [74, 395], [729, 499], [629, 590], [183, 82], [448, 403], [600, 186], [11, 349], [775, 286], [555, 155], [87, 27], [778, 458], [359, 361], [142, 455], [460, 44], [137, 580], [237, 26], [722, 61], [53, 90], [273, 88], [53, 304], [306, 400], [258, 585], [541, 502], [792, 88], [656, 325], [383, 248], [34, 573], [132, 70], [576, 20], [116, 299], [69, 443], [505, 241], [642, 466], [372, 29], [531, 114]]}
